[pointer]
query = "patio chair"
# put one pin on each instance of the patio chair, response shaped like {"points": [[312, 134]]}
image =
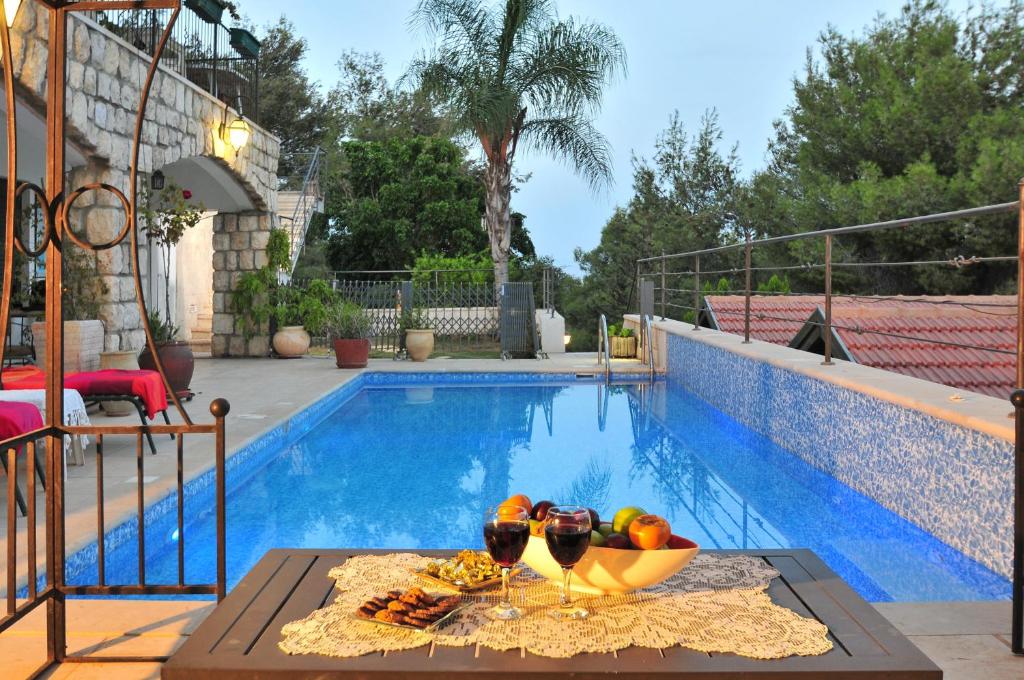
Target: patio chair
{"points": [[18, 418], [143, 389]]}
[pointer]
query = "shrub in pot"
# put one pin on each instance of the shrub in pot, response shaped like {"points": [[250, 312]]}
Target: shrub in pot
{"points": [[299, 312], [623, 342], [349, 329], [414, 324], [175, 355]]}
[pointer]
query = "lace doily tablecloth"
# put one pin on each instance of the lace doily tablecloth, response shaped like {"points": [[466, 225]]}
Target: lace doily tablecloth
{"points": [[715, 604]]}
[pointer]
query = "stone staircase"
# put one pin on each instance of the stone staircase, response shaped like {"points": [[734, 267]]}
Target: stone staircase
{"points": [[202, 335]]}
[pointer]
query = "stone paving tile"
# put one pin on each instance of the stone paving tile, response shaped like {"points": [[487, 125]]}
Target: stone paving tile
{"points": [[948, 618], [971, 657]]}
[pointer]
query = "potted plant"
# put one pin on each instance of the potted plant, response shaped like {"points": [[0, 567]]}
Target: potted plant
{"points": [[623, 342], [245, 43], [175, 355], [210, 11], [166, 216], [414, 324], [349, 329], [299, 312]]}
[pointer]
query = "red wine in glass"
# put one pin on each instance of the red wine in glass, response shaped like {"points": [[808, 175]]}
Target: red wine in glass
{"points": [[506, 532], [567, 533], [506, 541], [567, 543]]}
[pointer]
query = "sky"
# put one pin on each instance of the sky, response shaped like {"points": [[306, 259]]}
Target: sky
{"points": [[736, 56]]}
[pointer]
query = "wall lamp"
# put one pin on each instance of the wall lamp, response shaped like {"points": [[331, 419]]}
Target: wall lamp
{"points": [[237, 132]]}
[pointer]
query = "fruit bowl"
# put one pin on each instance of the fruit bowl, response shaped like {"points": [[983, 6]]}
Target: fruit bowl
{"points": [[604, 571]]}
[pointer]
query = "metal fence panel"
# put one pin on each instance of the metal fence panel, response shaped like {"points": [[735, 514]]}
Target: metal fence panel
{"points": [[380, 300], [518, 321], [463, 315]]}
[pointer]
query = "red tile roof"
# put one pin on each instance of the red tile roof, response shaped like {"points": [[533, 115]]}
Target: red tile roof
{"points": [[773, 318], [982, 321]]}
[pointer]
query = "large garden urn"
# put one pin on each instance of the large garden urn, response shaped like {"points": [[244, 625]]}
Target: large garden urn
{"points": [[291, 342], [419, 343]]}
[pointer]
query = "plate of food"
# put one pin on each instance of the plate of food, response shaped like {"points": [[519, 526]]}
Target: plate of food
{"points": [[468, 571], [412, 609]]}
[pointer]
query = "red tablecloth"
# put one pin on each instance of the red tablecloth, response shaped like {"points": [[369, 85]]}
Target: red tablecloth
{"points": [[146, 385], [17, 418]]}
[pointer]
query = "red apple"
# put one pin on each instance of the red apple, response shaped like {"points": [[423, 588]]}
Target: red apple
{"points": [[540, 510]]}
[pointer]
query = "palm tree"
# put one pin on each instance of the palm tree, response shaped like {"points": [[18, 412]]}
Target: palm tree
{"points": [[518, 76]]}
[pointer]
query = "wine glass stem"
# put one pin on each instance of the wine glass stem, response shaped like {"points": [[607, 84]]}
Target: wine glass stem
{"points": [[506, 601], [566, 593]]}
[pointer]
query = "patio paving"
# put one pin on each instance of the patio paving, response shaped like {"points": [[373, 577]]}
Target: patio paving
{"points": [[968, 640]]}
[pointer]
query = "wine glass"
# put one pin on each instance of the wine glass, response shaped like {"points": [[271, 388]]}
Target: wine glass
{"points": [[567, 532], [506, 532]]}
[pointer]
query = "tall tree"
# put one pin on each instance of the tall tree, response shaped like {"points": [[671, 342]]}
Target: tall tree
{"points": [[679, 199], [515, 74], [923, 113], [291, 106], [401, 197]]}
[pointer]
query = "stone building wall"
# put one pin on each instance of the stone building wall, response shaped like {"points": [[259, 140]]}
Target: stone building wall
{"points": [[240, 246], [105, 78]]}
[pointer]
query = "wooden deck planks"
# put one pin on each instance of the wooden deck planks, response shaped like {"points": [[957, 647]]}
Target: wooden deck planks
{"points": [[239, 639]]}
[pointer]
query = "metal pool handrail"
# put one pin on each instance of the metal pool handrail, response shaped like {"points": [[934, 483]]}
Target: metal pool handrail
{"points": [[603, 349], [648, 332]]}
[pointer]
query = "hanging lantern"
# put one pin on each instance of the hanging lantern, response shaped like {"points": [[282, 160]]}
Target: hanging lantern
{"points": [[236, 134]]}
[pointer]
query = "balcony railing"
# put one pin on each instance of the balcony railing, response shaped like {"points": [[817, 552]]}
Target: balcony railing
{"points": [[222, 61], [680, 290]]}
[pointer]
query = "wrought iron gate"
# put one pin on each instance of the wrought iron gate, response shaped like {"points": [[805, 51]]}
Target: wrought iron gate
{"points": [[57, 201]]}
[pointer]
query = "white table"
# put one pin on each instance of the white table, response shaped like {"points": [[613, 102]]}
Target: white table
{"points": [[74, 414]]}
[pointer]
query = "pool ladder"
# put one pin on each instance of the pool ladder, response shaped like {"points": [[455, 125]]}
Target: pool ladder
{"points": [[604, 355]]}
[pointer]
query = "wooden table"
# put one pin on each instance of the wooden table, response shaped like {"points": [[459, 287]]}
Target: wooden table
{"points": [[239, 639]]}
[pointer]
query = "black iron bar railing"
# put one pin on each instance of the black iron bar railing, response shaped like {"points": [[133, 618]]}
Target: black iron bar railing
{"points": [[223, 61], [657, 270]]}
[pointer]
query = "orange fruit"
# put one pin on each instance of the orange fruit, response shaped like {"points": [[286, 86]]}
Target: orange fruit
{"points": [[521, 500], [509, 511], [649, 532]]}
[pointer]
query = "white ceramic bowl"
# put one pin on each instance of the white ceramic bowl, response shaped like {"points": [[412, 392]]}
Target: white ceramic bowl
{"points": [[610, 570]]}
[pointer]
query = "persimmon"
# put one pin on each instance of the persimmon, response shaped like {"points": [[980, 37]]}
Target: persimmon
{"points": [[510, 511], [649, 532], [522, 500]]}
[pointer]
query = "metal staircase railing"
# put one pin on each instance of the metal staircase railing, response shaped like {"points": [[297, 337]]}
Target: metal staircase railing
{"points": [[307, 205]]}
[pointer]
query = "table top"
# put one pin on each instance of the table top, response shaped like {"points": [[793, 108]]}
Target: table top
{"points": [[239, 638]]}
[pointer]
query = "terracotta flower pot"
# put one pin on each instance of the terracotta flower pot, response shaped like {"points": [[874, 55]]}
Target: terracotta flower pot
{"points": [[351, 352], [291, 342], [419, 343], [178, 364]]}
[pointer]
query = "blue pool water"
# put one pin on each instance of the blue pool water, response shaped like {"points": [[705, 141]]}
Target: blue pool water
{"points": [[414, 465]]}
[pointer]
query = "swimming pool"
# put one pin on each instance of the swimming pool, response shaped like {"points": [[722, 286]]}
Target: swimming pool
{"points": [[411, 461]]}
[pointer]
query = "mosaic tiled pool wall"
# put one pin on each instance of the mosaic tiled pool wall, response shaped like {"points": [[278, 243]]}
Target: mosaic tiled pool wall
{"points": [[954, 482]]}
